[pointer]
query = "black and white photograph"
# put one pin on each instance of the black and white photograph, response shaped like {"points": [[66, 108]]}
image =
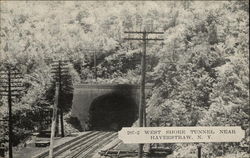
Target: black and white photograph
{"points": [[124, 79]]}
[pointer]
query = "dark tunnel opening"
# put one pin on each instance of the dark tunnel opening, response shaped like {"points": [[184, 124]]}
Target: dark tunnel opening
{"points": [[111, 112]]}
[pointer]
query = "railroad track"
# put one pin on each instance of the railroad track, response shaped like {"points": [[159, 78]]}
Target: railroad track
{"points": [[86, 146]]}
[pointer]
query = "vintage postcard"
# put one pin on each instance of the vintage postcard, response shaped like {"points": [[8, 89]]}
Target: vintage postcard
{"points": [[146, 79]]}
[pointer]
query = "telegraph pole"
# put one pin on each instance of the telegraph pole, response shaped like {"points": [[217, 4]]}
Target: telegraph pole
{"points": [[53, 124], [59, 94], [9, 78], [58, 70], [94, 51], [10, 113], [95, 68], [142, 106]]}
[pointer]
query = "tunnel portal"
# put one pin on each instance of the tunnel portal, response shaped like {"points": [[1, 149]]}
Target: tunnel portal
{"points": [[111, 112]]}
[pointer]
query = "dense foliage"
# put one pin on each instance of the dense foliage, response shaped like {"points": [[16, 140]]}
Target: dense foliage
{"points": [[200, 72]]}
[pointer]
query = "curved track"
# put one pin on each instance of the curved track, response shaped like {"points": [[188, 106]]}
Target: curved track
{"points": [[86, 146]]}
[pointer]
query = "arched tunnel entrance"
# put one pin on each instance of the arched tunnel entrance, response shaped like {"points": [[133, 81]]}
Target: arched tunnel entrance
{"points": [[112, 111]]}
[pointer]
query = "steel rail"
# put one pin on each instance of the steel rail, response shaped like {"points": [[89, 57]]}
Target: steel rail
{"points": [[60, 152], [73, 148], [91, 147], [99, 145]]}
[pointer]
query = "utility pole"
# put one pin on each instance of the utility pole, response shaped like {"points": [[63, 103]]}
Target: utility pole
{"points": [[53, 125], [95, 68], [10, 85], [59, 94], [10, 113], [59, 70], [94, 51], [199, 151], [142, 108]]}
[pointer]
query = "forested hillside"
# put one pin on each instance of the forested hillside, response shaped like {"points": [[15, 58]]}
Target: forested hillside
{"points": [[200, 71]]}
